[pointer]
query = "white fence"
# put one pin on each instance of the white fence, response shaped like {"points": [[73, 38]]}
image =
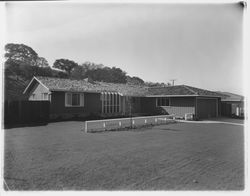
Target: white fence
{"points": [[121, 123]]}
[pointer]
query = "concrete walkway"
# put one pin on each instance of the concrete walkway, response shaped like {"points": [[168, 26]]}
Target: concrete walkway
{"points": [[211, 121]]}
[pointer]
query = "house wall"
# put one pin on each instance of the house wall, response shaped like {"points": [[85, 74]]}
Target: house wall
{"points": [[178, 106], [136, 104], [37, 91], [148, 105], [92, 106], [131, 105], [232, 108]]}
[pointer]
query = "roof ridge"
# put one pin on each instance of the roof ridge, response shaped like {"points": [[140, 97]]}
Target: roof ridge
{"points": [[165, 86], [187, 87], [225, 93]]}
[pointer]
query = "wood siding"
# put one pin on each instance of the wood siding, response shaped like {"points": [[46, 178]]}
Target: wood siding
{"points": [[136, 104], [37, 91], [178, 106], [92, 105], [178, 110]]}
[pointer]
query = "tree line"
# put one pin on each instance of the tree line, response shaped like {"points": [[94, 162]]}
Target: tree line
{"points": [[23, 61]]}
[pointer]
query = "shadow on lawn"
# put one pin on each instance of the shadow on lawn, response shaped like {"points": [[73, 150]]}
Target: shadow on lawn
{"points": [[168, 129]]}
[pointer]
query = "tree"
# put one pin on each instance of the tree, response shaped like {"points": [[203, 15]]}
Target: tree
{"points": [[20, 54], [134, 80], [78, 72], [59, 74], [118, 75], [42, 62], [157, 84], [88, 65], [107, 74], [65, 64]]}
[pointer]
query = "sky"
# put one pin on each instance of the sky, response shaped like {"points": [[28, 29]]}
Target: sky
{"points": [[197, 44]]}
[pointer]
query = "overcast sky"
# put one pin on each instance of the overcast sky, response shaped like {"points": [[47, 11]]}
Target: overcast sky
{"points": [[197, 44]]}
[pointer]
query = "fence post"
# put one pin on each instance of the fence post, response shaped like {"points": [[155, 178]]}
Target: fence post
{"points": [[19, 111]]}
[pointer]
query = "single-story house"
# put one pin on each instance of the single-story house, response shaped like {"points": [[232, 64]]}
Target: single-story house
{"points": [[84, 98], [232, 104]]}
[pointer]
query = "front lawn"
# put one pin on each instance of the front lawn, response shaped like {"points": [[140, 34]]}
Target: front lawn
{"points": [[178, 156]]}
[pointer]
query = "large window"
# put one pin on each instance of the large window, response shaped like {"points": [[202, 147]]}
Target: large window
{"points": [[110, 103], [162, 101], [74, 99]]}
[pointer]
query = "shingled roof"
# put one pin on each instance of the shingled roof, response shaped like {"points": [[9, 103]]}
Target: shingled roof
{"points": [[231, 97], [59, 84], [181, 90]]}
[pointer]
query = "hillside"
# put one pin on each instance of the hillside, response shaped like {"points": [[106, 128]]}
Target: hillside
{"points": [[14, 87], [22, 63]]}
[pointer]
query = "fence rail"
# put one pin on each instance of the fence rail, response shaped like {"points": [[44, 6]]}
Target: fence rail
{"points": [[18, 113], [121, 123]]}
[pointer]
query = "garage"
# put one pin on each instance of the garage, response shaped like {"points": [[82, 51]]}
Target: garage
{"points": [[207, 107]]}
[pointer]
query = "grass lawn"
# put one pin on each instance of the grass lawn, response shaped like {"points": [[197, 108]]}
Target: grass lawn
{"points": [[181, 156]]}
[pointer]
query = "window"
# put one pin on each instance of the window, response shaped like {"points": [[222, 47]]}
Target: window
{"points": [[74, 99], [162, 101], [110, 103], [45, 96]]}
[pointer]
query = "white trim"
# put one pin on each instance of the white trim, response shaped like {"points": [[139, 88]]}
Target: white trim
{"points": [[141, 117], [66, 100], [207, 97], [110, 106], [217, 107], [34, 78], [182, 96], [80, 102], [196, 107], [43, 96], [102, 100], [28, 85], [171, 96], [82, 99]]}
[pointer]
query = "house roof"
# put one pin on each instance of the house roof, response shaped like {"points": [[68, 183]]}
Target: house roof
{"points": [[181, 90], [59, 84], [231, 97]]}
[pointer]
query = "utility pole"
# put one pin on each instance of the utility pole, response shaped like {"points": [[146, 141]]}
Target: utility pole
{"points": [[173, 81]]}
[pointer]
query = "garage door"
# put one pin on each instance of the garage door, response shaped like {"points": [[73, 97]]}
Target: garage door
{"points": [[206, 108]]}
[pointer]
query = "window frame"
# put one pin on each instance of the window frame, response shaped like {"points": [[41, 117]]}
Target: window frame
{"points": [[43, 96], [159, 100], [110, 103], [81, 99]]}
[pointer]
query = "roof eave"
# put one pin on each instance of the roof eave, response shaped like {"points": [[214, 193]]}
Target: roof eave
{"points": [[34, 78], [171, 95], [195, 95]]}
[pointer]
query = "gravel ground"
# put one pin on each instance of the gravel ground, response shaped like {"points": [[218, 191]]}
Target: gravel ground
{"points": [[181, 156]]}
